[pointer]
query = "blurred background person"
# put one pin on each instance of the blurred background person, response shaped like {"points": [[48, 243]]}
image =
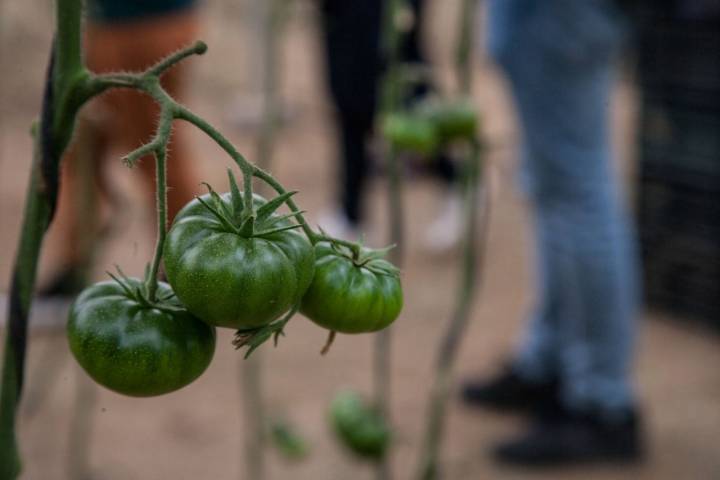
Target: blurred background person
{"points": [[574, 362], [122, 35], [352, 39]]}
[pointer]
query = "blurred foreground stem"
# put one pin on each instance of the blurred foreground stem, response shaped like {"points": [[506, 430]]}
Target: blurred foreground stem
{"points": [[390, 97], [60, 105], [473, 249], [271, 13]]}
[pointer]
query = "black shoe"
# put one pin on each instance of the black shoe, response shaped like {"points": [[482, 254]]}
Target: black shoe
{"points": [[572, 438], [66, 283], [510, 392]]}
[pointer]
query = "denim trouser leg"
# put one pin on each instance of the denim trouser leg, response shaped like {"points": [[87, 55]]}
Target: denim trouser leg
{"points": [[558, 56]]}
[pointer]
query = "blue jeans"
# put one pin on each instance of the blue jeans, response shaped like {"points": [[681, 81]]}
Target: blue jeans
{"points": [[559, 58]]}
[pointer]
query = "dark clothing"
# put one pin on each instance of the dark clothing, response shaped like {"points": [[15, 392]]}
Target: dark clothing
{"points": [[116, 11], [351, 32]]}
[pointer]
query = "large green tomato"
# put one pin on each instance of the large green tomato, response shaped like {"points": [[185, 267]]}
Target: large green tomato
{"points": [[360, 428], [136, 348], [408, 132], [235, 279], [352, 295]]}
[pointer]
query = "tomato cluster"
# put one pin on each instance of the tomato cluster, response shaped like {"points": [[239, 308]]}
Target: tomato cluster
{"points": [[430, 124], [230, 265]]}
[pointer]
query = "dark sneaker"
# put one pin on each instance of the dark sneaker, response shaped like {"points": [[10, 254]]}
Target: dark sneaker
{"points": [[66, 283], [573, 438], [510, 392]]}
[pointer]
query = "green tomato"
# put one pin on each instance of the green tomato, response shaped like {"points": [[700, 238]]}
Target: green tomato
{"points": [[412, 133], [452, 119], [359, 427], [136, 348], [233, 279], [352, 295]]}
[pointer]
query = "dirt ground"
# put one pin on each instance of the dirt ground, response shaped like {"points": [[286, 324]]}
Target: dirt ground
{"points": [[197, 433]]}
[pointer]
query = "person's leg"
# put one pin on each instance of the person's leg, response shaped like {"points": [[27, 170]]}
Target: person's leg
{"points": [[355, 129], [560, 70], [133, 47], [351, 36], [528, 380], [587, 266]]}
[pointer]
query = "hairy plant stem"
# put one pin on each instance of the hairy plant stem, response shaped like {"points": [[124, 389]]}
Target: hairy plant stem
{"points": [[473, 248], [151, 282], [60, 104]]}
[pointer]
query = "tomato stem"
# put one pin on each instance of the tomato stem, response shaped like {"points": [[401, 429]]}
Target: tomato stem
{"points": [[65, 75], [328, 342], [151, 282]]}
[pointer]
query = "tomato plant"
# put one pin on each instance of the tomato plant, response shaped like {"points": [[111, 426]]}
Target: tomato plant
{"points": [[351, 292], [137, 347], [358, 426], [234, 266]]}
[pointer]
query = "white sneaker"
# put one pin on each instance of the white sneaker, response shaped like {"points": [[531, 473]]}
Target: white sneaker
{"points": [[336, 224], [446, 229]]}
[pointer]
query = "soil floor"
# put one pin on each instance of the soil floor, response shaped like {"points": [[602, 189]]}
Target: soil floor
{"points": [[198, 432]]}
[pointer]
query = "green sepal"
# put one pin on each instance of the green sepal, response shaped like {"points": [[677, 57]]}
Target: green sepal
{"points": [[219, 204], [247, 229], [254, 337], [221, 217], [277, 230], [279, 219], [236, 197], [267, 209]]}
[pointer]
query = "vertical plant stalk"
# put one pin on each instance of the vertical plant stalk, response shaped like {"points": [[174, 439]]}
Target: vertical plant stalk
{"points": [[389, 101], [472, 263], [252, 368], [151, 282], [57, 120], [254, 414], [463, 50]]}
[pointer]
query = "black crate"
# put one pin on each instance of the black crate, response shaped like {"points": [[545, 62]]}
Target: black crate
{"points": [[678, 57], [680, 246], [681, 144], [678, 204]]}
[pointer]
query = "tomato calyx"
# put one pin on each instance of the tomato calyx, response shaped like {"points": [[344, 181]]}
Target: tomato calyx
{"points": [[254, 337], [249, 221], [136, 293], [364, 257]]}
